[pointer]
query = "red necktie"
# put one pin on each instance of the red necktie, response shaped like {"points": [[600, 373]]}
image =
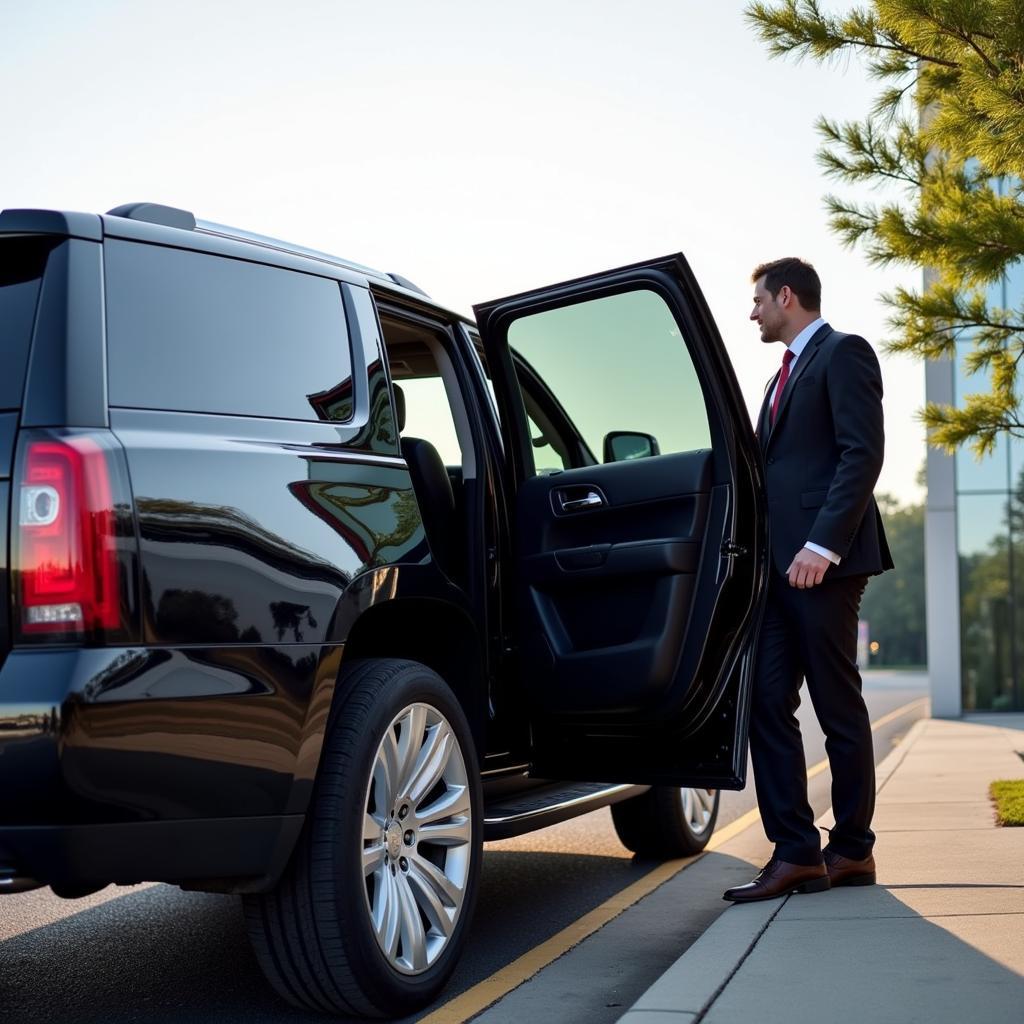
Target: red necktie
{"points": [[787, 358]]}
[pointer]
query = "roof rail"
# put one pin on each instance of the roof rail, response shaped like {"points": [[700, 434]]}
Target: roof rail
{"points": [[172, 217], [407, 284], [154, 213], [239, 235]]}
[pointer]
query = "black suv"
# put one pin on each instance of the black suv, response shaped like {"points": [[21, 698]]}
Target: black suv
{"points": [[308, 586]]}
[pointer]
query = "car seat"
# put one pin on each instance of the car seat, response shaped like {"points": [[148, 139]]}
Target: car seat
{"points": [[433, 489]]}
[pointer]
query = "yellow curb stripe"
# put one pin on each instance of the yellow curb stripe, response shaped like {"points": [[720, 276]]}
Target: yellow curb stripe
{"points": [[898, 713], [487, 992], [904, 709], [503, 981]]}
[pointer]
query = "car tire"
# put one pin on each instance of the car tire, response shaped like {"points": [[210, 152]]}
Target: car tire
{"points": [[667, 821], [372, 912]]}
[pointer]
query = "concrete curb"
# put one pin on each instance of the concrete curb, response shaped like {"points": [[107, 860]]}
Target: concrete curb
{"points": [[695, 980], [885, 768], [686, 991]]}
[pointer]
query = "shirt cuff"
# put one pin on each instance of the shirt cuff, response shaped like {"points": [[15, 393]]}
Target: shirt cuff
{"points": [[819, 550]]}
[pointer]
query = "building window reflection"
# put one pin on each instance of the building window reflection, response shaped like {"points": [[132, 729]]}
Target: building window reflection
{"points": [[986, 602], [990, 472], [990, 518]]}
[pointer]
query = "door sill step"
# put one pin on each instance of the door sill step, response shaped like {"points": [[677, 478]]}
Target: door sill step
{"points": [[547, 805]]}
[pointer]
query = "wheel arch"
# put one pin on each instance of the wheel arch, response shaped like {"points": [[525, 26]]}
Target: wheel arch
{"points": [[436, 634], [433, 632], [318, 935]]}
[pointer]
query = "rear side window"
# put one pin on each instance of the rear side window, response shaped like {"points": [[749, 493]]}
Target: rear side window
{"points": [[22, 262], [195, 333]]}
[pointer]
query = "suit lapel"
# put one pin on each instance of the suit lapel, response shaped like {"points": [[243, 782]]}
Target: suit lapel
{"points": [[805, 360]]}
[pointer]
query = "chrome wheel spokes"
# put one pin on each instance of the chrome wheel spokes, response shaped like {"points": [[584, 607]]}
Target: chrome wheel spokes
{"points": [[698, 807], [373, 844], [417, 832]]}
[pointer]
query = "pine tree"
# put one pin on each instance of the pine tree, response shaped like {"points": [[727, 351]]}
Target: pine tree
{"points": [[947, 133]]}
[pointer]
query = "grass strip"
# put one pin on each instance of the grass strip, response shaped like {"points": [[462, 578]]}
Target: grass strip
{"points": [[1008, 795]]}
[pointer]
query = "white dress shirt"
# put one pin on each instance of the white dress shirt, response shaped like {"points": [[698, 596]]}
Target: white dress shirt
{"points": [[796, 346]]}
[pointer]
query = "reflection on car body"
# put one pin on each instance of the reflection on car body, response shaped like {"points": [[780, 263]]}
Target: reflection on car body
{"points": [[334, 583]]}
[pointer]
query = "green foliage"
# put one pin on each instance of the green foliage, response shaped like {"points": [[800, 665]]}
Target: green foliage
{"points": [[894, 603], [947, 134], [1008, 795]]}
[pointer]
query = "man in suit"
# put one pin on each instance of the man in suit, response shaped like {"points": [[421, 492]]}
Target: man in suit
{"points": [[822, 439]]}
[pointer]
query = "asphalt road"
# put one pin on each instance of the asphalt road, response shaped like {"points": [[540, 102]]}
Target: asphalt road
{"points": [[154, 953]]}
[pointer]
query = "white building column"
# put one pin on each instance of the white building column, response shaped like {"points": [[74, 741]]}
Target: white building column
{"points": [[942, 570]]}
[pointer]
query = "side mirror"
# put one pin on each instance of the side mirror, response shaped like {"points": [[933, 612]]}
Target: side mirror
{"points": [[622, 445]]}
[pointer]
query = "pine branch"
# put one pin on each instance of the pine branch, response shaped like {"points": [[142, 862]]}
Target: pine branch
{"points": [[891, 101], [978, 424], [871, 154], [962, 36], [799, 26]]}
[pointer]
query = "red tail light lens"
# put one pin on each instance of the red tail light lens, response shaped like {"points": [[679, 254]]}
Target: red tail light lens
{"points": [[66, 558]]}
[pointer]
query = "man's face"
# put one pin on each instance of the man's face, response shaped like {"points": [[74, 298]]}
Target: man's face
{"points": [[769, 311]]}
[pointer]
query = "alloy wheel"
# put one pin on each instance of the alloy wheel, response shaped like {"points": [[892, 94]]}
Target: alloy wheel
{"points": [[698, 808], [417, 832]]}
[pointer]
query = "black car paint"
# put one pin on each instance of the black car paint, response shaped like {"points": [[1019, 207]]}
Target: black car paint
{"points": [[265, 548], [260, 545]]}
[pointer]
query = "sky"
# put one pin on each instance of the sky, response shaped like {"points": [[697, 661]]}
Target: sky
{"points": [[479, 149]]}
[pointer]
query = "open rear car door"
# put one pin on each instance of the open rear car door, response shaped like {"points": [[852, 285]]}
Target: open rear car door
{"points": [[639, 562]]}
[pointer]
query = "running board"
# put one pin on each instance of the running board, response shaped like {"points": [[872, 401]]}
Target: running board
{"points": [[547, 805]]}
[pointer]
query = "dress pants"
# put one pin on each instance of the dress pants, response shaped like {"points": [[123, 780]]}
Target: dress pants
{"points": [[812, 634]]}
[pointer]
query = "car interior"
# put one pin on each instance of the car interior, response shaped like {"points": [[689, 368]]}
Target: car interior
{"points": [[436, 439]]}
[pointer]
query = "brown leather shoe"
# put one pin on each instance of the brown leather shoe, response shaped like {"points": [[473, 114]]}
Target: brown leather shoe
{"points": [[844, 871], [778, 878]]}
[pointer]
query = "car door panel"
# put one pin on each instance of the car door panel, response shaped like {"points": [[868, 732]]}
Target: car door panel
{"points": [[599, 583], [600, 561], [638, 584]]}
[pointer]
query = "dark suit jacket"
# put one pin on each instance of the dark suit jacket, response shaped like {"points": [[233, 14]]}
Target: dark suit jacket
{"points": [[823, 456]]}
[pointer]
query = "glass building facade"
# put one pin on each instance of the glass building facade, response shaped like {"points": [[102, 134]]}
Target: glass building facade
{"points": [[989, 503]]}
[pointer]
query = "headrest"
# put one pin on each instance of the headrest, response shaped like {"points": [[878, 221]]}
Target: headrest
{"points": [[400, 407]]}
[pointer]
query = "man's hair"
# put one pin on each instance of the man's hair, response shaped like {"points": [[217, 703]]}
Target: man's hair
{"points": [[801, 277]]}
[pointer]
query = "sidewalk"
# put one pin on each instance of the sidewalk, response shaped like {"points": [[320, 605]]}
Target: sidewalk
{"points": [[939, 939]]}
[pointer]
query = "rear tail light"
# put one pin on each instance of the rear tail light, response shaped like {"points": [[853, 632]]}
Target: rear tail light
{"points": [[66, 555]]}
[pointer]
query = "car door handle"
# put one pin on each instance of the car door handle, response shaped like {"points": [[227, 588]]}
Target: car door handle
{"points": [[590, 500]]}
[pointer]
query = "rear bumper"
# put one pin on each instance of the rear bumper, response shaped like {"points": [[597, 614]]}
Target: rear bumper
{"points": [[227, 855], [105, 779], [101, 735]]}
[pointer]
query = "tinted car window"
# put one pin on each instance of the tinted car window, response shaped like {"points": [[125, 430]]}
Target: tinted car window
{"points": [[615, 363], [21, 269], [198, 333]]}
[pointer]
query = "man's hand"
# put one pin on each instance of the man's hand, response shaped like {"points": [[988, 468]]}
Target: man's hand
{"points": [[807, 569]]}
